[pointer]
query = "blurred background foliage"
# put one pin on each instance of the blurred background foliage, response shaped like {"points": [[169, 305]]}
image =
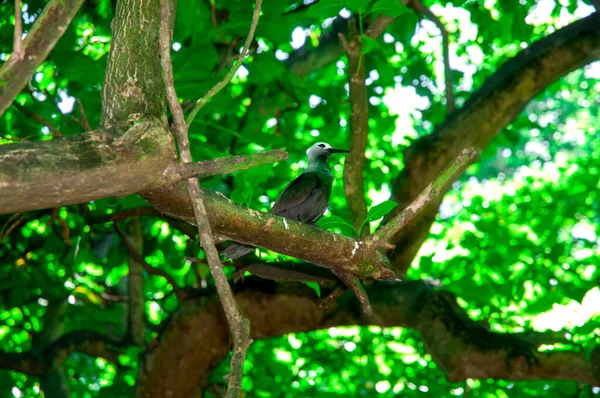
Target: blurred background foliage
{"points": [[516, 238]]}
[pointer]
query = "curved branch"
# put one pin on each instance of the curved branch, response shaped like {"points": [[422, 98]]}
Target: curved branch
{"points": [[41, 39], [461, 347], [496, 104]]}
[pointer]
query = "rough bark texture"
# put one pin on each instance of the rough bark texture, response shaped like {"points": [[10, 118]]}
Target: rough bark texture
{"points": [[133, 89], [196, 339], [37, 175], [485, 115], [41, 39], [247, 226], [354, 165]]}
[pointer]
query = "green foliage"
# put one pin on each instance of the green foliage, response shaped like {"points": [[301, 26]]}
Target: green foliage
{"points": [[516, 239]]}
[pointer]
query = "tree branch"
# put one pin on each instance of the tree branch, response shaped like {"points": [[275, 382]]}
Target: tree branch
{"points": [[86, 342], [139, 258], [40, 40], [55, 132], [102, 169], [418, 6], [82, 120], [304, 60], [133, 92], [24, 363], [440, 184], [359, 124], [135, 285], [227, 165], [18, 51], [238, 325], [497, 103], [225, 81], [461, 347]]}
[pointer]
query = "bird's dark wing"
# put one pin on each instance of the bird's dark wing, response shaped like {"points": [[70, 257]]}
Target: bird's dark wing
{"points": [[296, 193]]}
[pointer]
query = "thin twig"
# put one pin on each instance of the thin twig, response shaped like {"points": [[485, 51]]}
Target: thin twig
{"points": [[213, 15], [421, 8], [7, 229], [82, 118], [18, 51], [437, 187], [39, 119], [219, 86], [353, 282], [226, 165], [49, 26], [238, 325], [139, 258]]}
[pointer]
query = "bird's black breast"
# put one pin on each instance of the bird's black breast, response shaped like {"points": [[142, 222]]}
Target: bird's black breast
{"points": [[306, 198]]}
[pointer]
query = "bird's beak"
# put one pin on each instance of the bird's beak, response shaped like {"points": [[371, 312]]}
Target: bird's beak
{"points": [[331, 150]]}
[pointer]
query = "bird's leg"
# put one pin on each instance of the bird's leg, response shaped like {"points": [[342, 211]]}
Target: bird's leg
{"points": [[354, 284]]}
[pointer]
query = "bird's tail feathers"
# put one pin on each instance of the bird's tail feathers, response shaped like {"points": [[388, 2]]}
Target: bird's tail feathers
{"points": [[235, 250]]}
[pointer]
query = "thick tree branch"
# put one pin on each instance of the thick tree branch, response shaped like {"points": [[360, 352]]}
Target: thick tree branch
{"points": [[461, 347], [45, 174], [309, 243], [40, 40], [359, 125], [419, 7], [132, 91], [38, 175], [497, 103]]}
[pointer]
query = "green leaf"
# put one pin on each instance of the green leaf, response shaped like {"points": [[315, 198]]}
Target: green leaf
{"points": [[314, 286], [376, 212], [391, 8], [337, 222], [379, 211], [368, 44], [357, 5], [326, 8], [192, 18]]}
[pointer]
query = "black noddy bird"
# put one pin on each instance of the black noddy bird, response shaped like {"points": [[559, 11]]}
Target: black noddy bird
{"points": [[305, 199]]}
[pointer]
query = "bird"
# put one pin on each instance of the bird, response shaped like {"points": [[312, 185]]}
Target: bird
{"points": [[305, 199]]}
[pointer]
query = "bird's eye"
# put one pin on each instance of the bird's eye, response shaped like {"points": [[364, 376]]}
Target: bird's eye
{"points": [[321, 145]]}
